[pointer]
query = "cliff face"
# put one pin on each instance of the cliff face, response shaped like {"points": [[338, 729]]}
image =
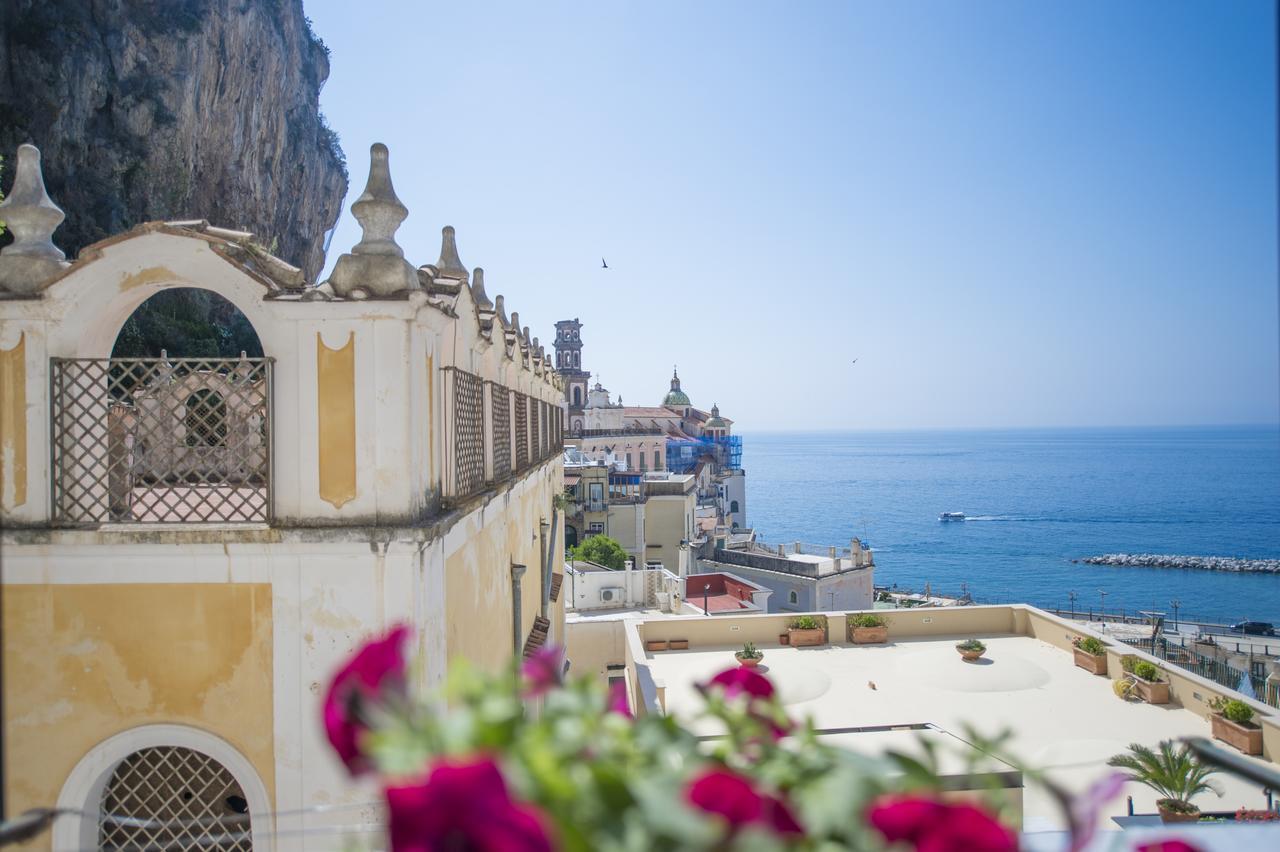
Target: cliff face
{"points": [[174, 109]]}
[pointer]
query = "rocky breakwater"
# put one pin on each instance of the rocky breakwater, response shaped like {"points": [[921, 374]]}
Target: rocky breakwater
{"points": [[1233, 564], [174, 109]]}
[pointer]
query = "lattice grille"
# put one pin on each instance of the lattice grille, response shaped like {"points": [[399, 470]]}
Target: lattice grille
{"points": [[468, 433], [170, 797], [161, 441], [522, 431], [539, 430], [500, 406]]}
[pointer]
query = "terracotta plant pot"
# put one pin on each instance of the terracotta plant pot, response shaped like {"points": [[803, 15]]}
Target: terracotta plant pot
{"points": [[679, 644], [1092, 663], [1247, 738], [870, 635], [748, 662], [655, 645], [970, 656], [798, 638], [784, 639], [1152, 691], [1169, 815]]}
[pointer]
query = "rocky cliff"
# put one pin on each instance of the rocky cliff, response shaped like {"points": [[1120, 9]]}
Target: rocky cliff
{"points": [[174, 109]]}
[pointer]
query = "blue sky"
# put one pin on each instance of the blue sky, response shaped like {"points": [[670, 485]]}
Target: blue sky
{"points": [[1011, 213]]}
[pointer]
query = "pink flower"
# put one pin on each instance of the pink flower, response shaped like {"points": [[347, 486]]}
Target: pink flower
{"points": [[732, 797], [618, 699], [1167, 846], [542, 670], [378, 665], [739, 679], [929, 825], [1087, 807], [463, 806]]}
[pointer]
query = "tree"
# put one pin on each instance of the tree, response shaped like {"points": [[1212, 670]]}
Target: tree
{"points": [[601, 550]]}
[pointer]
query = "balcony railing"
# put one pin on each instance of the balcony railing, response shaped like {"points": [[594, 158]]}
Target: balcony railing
{"points": [[159, 440]]}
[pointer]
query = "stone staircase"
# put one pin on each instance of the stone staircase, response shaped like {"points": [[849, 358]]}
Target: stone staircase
{"points": [[537, 636]]}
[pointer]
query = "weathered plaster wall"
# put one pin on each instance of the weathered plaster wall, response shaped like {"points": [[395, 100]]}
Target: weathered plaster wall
{"points": [[80, 667]]}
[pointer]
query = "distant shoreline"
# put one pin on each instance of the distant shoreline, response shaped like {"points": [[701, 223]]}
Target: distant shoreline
{"points": [[1230, 564]]}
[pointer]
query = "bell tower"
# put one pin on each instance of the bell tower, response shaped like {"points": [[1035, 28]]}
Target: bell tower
{"points": [[569, 365]]}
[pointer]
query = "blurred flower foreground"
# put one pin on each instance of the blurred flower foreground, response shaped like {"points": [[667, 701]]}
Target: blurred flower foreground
{"points": [[527, 761]]}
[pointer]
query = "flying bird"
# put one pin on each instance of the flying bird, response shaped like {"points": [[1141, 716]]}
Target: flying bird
{"points": [[855, 360], [603, 265]]}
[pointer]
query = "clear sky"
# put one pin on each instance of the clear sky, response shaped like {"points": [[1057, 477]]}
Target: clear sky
{"points": [[1010, 213]]}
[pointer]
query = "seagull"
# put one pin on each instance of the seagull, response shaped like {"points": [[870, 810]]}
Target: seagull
{"points": [[603, 265], [855, 360]]}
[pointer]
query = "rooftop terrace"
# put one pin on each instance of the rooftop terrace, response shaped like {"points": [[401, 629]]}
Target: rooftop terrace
{"points": [[1061, 718]]}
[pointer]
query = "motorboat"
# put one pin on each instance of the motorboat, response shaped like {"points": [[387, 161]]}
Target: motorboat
{"points": [[951, 516]]}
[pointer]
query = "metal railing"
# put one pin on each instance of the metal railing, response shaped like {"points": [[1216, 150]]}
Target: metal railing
{"points": [[160, 440], [1209, 668]]}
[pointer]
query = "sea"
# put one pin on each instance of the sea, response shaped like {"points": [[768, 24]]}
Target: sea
{"points": [[1035, 501]]}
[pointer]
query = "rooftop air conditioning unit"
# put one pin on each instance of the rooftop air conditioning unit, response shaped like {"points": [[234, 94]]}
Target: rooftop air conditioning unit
{"points": [[613, 594]]}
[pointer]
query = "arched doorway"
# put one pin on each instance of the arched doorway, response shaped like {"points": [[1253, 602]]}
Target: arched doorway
{"points": [[570, 536], [171, 797], [187, 322]]}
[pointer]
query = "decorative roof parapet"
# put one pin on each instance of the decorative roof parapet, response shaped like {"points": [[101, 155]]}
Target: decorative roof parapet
{"points": [[32, 259], [375, 268], [449, 265], [500, 308], [478, 294]]}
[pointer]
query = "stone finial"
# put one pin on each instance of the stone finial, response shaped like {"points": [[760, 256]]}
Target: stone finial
{"points": [[32, 258], [477, 290], [449, 265], [515, 324], [375, 267], [500, 308]]}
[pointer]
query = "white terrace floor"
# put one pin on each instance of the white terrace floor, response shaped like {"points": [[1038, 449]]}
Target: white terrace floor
{"points": [[1062, 718]]}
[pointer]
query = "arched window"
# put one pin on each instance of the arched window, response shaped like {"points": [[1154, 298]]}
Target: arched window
{"points": [[657, 460], [577, 396], [206, 419], [733, 510], [173, 797], [793, 597]]}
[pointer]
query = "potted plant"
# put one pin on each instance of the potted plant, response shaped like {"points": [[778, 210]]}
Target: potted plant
{"points": [[971, 649], [1147, 682], [807, 630], [750, 656], [1091, 654], [1232, 722], [867, 628], [1173, 772]]}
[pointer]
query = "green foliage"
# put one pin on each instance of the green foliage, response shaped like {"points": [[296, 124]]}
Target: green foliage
{"points": [[866, 619], [1146, 671], [1091, 645], [187, 323], [971, 645], [1172, 771], [601, 550], [750, 652], [1128, 662], [1233, 709], [806, 622]]}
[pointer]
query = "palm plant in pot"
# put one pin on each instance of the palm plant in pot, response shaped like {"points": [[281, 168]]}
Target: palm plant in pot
{"points": [[1232, 722], [750, 656], [971, 649], [868, 629], [1173, 772]]}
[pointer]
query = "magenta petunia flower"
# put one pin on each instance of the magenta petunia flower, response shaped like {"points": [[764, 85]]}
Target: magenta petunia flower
{"points": [[1167, 846], [618, 700], [736, 800], [460, 806], [1086, 809], [929, 825], [541, 672], [379, 665], [739, 680]]}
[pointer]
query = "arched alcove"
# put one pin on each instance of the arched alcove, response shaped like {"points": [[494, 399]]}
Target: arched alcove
{"points": [[187, 322], [167, 757]]}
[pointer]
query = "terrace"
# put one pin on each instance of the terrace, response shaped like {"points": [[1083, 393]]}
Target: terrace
{"points": [[1059, 718]]}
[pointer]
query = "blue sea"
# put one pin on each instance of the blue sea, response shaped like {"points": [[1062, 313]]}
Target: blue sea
{"points": [[1036, 499]]}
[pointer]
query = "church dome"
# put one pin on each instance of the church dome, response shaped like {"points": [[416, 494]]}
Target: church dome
{"points": [[715, 422], [675, 397]]}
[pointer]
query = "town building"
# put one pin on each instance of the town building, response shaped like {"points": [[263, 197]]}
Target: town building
{"points": [[193, 544], [803, 578]]}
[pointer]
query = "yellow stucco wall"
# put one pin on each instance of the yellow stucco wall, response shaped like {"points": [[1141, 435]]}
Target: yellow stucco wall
{"points": [[478, 580], [13, 424], [85, 662]]}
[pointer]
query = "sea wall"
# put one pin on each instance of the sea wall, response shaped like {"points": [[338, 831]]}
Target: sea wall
{"points": [[1201, 563]]}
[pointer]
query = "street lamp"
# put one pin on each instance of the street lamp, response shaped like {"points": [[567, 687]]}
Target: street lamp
{"points": [[1071, 596], [706, 592], [1175, 603], [1102, 614]]}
